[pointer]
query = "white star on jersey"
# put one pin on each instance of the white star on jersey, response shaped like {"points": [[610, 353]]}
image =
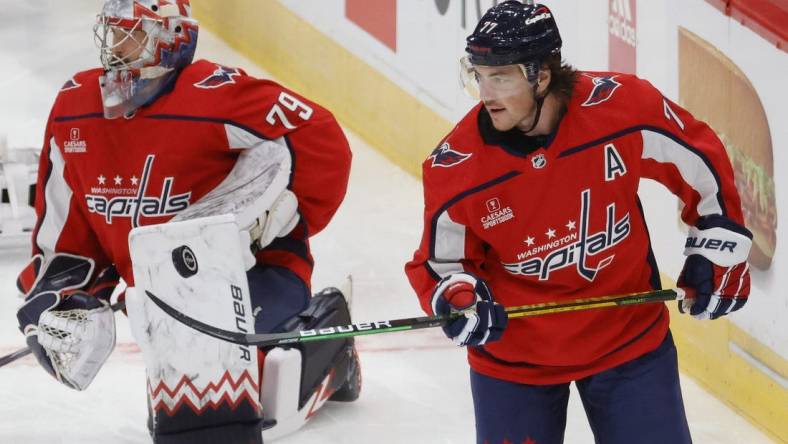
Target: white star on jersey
{"points": [[570, 225], [102, 180], [134, 180], [550, 233], [529, 241], [118, 180]]}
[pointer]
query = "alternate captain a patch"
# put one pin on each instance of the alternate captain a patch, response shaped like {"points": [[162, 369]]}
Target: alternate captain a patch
{"points": [[444, 156], [222, 76], [604, 87]]}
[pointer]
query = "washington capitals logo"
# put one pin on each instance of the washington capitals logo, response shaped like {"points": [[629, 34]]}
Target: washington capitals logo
{"points": [[135, 207], [576, 249], [70, 84], [604, 87], [444, 156], [222, 76]]}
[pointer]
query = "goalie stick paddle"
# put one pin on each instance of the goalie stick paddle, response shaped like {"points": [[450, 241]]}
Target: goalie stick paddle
{"points": [[22, 352], [370, 328]]}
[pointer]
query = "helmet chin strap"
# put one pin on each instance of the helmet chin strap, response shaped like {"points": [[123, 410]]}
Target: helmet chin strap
{"points": [[539, 101]]}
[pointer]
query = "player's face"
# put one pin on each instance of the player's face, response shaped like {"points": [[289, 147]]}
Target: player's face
{"points": [[507, 95], [128, 46]]}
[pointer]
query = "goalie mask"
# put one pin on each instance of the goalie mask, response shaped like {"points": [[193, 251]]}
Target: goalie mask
{"points": [[143, 45]]}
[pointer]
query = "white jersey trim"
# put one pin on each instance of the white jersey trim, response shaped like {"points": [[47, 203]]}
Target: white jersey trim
{"points": [[694, 171], [57, 196], [239, 138], [449, 246]]}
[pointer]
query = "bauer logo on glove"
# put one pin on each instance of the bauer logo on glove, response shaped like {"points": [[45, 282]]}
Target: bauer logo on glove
{"points": [[716, 275]]}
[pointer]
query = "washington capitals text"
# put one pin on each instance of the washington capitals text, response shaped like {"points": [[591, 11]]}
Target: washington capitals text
{"points": [[589, 244], [134, 207]]}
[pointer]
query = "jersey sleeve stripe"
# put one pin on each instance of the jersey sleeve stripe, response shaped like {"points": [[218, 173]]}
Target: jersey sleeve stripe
{"points": [[447, 237], [694, 168], [448, 247], [239, 138], [56, 191]]}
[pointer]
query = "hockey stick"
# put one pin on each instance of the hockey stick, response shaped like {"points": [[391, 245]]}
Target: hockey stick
{"points": [[22, 352], [370, 328]]}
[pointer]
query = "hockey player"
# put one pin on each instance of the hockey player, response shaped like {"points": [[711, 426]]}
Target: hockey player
{"points": [[134, 144], [532, 198]]}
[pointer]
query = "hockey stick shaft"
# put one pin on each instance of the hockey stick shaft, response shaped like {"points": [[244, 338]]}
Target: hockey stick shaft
{"points": [[11, 357], [22, 352], [369, 328], [598, 302]]}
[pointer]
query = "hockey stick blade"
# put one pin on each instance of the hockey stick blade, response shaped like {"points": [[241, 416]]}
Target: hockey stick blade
{"points": [[370, 328], [22, 352]]}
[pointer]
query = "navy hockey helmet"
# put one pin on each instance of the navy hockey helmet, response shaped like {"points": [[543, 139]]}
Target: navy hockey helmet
{"points": [[511, 33], [514, 33]]}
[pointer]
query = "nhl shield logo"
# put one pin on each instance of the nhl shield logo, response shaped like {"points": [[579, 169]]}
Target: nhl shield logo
{"points": [[539, 161]]}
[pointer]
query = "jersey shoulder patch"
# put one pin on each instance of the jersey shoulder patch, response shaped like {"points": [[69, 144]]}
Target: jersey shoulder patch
{"points": [[446, 157], [603, 88], [70, 84], [221, 76], [88, 77]]}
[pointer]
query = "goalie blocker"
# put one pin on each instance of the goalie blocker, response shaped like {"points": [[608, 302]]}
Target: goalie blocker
{"points": [[201, 389]]}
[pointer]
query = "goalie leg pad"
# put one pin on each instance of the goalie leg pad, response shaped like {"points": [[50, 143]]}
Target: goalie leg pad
{"points": [[298, 380], [326, 309], [198, 387]]}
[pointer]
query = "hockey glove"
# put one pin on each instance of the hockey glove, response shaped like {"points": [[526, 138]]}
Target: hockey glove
{"points": [[277, 221], [716, 275], [70, 335], [484, 320]]}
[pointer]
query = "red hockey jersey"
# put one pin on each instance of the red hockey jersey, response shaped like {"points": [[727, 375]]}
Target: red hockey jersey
{"points": [[100, 178], [563, 221]]}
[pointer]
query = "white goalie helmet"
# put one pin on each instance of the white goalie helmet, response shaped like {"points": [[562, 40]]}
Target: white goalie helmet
{"points": [[143, 44]]}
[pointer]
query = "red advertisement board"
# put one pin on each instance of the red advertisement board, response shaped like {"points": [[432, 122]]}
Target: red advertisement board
{"points": [[378, 18], [622, 36]]}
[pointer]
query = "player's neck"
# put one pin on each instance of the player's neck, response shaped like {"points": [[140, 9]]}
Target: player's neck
{"points": [[548, 118]]}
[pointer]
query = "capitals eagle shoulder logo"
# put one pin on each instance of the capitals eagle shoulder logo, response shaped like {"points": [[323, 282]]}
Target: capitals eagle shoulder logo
{"points": [[220, 77], [444, 156], [604, 87]]}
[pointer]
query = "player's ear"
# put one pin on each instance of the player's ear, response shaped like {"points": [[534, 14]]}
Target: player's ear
{"points": [[544, 78]]}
